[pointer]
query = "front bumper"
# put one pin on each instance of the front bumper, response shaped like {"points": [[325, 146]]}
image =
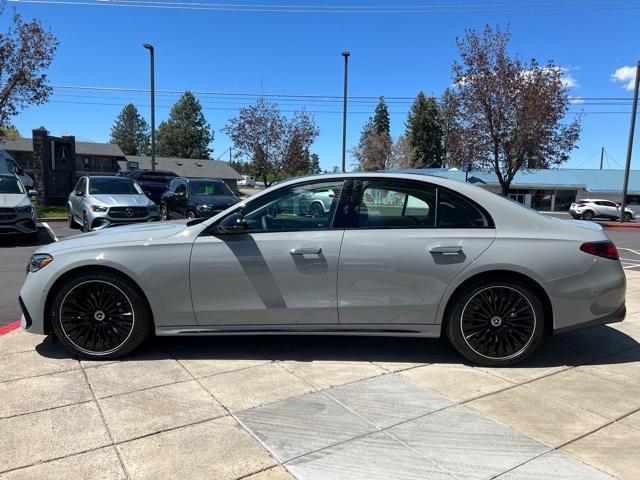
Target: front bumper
{"points": [[21, 224], [100, 220]]}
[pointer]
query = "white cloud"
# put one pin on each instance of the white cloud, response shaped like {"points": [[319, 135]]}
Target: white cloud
{"points": [[568, 80], [625, 75]]}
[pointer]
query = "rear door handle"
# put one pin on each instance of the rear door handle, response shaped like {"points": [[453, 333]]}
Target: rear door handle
{"points": [[306, 251], [448, 250]]}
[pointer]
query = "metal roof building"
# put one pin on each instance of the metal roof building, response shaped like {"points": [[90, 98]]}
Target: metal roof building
{"points": [[551, 189]]}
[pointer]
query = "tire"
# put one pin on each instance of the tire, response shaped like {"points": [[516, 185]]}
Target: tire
{"points": [[71, 221], [163, 212], [481, 329], [627, 217], [316, 210], [588, 215], [111, 316], [85, 223], [191, 215]]}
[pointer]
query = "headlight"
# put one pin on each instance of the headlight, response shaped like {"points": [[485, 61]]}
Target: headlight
{"points": [[38, 261], [26, 209], [203, 208], [98, 208]]}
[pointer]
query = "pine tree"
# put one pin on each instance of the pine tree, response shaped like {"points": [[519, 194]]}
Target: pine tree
{"points": [[425, 133], [373, 151], [314, 164], [381, 121], [186, 133], [130, 132]]}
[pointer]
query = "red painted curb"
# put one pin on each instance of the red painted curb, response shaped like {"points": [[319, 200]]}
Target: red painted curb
{"points": [[620, 225], [9, 328]]}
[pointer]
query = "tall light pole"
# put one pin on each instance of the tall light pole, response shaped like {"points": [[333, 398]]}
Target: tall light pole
{"points": [[345, 54], [634, 111], [153, 105]]}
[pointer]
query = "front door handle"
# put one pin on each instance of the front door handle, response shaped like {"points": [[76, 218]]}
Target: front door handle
{"points": [[448, 250], [306, 251]]}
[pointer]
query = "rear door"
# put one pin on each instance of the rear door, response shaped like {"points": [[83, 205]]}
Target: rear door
{"points": [[408, 241]]}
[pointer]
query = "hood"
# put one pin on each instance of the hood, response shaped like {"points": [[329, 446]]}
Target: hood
{"points": [[220, 201], [121, 200], [12, 200], [137, 232]]}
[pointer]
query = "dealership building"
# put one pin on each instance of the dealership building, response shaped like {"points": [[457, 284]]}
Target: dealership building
{"points": [[552, 190], [63, 160]]}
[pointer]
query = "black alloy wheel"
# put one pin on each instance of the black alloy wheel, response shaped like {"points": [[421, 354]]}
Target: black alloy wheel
{"points": [[496, 323], [316, 211], [100, 316]]}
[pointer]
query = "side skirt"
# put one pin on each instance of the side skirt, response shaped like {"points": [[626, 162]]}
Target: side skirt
{"points": [[429, 331]]}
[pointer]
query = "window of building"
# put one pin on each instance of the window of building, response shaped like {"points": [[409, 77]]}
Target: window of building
{"points": [[564, 199]]}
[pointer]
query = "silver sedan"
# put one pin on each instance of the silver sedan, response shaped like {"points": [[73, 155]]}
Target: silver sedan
{"points": [[397, 254], [98, 202]]}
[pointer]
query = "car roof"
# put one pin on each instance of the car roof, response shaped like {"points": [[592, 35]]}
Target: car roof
{"points": [[189, 179], [111, 177], [148, 170]]}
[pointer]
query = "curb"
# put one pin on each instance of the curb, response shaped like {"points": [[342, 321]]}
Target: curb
{"points": [[53, 219], [620, 225], [9, 328]]}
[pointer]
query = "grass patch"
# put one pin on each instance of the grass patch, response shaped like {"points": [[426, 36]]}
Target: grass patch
{"points": [[51, 212]]}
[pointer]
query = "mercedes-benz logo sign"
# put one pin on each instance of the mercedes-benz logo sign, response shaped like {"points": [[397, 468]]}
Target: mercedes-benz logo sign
{"points": [[128, 212]]}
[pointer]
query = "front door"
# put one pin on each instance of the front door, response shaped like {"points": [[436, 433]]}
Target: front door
{"points": [[409, 241], [283, 270]]}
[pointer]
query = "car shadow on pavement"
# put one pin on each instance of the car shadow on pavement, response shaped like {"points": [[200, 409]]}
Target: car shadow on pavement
{"points": [[44, 237], [601, 345]]}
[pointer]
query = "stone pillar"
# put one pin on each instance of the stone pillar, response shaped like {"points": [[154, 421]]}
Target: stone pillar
{"points": [[41, 154]]}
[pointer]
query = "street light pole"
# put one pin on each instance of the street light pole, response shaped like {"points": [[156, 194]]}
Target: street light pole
{"points": [[345, 54], [634, 111], [153, 105]]}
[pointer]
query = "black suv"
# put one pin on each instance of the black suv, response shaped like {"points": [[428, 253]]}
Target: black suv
{"points": [[196, 198], [153, 182]]}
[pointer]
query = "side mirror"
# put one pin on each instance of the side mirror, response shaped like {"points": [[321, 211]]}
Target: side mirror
{"points": [[234, 223], [79, 193], [181, 194], [33, 194]]}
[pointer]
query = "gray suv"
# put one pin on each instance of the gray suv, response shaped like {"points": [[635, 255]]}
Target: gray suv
{"points": [[100, 202], [17, 214]]}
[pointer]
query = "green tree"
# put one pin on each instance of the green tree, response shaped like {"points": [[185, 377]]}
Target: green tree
{"points": [[9, 132], [381, 120], [314, 164], [374, 149], [130, 132], [424, 133], [186, 133]]}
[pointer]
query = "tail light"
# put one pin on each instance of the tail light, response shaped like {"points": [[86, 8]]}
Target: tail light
{"points": [[601, 249]]}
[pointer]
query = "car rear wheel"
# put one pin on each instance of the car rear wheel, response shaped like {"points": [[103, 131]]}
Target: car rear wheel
{"points": [[191, 215], [316, 211], [100, 316], [496, 323], [588, 215]]}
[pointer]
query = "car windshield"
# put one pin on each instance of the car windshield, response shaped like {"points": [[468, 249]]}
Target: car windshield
{"points": [[10, 185], [114, 186], [208, 187]]}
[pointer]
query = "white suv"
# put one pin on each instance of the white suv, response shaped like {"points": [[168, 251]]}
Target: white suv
{"points": [[589, 209]]}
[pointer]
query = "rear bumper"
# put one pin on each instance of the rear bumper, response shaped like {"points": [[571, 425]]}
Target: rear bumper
{"points": [[614, 317]]}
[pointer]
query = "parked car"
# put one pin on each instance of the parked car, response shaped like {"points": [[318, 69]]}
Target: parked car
{"points": [[9, 166], [247, 181], [17, 213], [103, 201], [398, 254], [588, 209], [153, 182], [196, 198]]}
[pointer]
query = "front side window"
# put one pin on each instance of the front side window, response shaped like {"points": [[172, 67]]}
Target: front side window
{"points": [[299, 207], [393, 204], [81, 186], [114, 186], [10, 185]]}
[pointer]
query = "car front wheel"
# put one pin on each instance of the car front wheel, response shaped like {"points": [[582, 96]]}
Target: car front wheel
{"points": [[496, 323], [627, 217], [100, 316]]}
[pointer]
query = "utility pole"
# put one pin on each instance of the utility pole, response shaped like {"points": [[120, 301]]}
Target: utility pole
{"points": [[601, 157], [345, 54], [153, 105], [634, 111]]}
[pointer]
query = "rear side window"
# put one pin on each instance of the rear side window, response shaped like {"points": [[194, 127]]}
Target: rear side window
{"points": [[455, 211], [390, 205]]}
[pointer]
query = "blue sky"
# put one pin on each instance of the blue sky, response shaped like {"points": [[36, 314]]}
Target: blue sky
{"points": [[392, 54]]}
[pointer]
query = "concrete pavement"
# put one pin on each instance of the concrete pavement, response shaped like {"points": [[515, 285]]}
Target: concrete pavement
{"points": [[275, 408]]}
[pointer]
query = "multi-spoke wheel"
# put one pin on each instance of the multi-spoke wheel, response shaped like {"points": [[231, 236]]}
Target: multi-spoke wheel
{"points": [[496, 323], [316, 210], [100, 316]]}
